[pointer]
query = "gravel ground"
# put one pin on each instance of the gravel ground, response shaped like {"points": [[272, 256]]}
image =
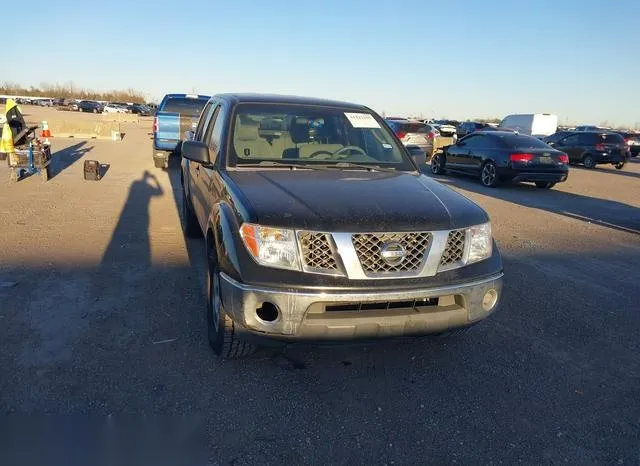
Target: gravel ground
{"points": [[102, 314]]}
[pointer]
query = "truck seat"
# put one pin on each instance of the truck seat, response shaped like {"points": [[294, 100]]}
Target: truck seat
{"points": [[248, 143]]}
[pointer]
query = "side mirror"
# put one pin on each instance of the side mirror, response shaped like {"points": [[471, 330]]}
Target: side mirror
{"points": [[196, 151]]}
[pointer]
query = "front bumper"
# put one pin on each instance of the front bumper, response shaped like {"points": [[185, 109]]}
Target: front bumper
{"points": [[313, 314]]}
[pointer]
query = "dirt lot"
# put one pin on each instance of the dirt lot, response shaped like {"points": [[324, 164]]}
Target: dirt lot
{"points": [[102, 312]]}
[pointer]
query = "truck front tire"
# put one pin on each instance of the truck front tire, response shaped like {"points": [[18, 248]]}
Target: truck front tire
{"points": [[221, 329]]}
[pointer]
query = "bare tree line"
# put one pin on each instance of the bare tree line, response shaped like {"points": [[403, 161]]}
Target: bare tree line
{"points": [[71, 91]]}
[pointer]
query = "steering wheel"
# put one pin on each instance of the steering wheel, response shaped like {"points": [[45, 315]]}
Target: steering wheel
{"points": [[338, 152], [320, 152], [351, 148]]}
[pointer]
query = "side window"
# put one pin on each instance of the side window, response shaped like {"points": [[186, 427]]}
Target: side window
{"points": [[474, 142], [218, 125], [586, 139], [203, 121], [212, 121], [572, 140]]}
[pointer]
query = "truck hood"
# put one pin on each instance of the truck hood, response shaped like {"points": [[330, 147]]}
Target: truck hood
{"points": [[351, 201]]}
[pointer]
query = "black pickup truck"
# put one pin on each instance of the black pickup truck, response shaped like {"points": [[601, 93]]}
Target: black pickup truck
{"points": [[318, 225]]}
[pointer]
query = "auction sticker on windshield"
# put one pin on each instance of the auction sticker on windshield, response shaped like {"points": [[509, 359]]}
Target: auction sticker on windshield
{"points": [[362, 120]]}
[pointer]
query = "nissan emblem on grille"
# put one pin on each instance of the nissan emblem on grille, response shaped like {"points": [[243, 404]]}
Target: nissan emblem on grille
{"points": [[391, 252]]}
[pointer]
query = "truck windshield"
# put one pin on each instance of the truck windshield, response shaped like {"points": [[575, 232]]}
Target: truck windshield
{"points": [[316, 135], [184, 105]]}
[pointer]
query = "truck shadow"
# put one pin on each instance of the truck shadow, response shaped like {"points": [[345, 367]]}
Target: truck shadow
{"points": [[610, 214]]}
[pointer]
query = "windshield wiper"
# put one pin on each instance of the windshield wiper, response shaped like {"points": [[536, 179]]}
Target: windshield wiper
{"points": [[377, 168], [272, 163]]}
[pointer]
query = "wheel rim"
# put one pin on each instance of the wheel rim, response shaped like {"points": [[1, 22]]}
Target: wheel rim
{"points": [[434, 164], [488, 174], [214, 299]]}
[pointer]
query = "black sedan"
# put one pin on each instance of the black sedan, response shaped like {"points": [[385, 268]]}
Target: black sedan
{"points": [[90, 106], [500, 156]]}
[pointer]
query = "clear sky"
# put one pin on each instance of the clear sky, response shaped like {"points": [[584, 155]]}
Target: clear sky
{"points": [[579, 59]]}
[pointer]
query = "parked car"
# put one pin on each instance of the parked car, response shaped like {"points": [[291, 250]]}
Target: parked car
{"points": [[90, 106], [501, 156], [589, 128], [176, 114], [416, 133], [591, 148], [140, 109], [45, 102], [112, 108], [633, 141], [124, 107], [469, 127], [539, 125], [265, 180], [445, 130], [454, 123], [498, 128]]}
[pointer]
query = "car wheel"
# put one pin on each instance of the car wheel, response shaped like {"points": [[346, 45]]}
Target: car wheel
{"points": [[589, 161], [190, 224], [95, 110], [489, 175], [437, 164], [545, 184], [221, 330], [619, 165]]}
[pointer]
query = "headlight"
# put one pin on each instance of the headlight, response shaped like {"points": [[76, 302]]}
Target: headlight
{"points": [[271, 247], [480, 243]]}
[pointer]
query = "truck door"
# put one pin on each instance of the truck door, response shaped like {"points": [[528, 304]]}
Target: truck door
{"points": [[197, 172], [206, 176]]}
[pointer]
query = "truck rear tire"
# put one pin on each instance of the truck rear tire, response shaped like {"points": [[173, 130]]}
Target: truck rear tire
{"points": [[221, 329]]}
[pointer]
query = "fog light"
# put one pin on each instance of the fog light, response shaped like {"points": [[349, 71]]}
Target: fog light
{"points": [[490, 299]]}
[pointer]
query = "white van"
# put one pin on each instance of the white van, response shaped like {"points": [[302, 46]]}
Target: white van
{"points": [[534, 124]]}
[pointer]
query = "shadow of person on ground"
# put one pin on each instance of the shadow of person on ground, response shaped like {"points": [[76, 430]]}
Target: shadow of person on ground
{"points": [[131, 235], [63, 159], [611, 214]]}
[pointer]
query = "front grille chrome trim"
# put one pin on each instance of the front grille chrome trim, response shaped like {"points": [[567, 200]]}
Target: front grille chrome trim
{"points": [[332, 260], [354, 270], [348, 264]]}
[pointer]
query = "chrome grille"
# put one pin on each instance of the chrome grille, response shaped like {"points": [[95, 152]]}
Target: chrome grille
{"points": [[317, 252], [454, 250], [369, 248]]}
